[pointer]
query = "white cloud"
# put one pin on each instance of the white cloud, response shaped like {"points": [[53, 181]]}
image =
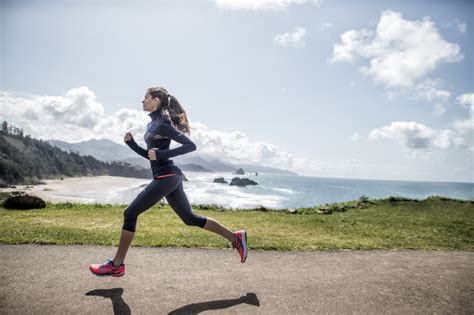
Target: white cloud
{"points": [[400, 52], [463, 126], [460, 26], [77, 116], [415, 136], [77, 107], [296, 39], [431, 91], [355, 136], [52, 117], [352, 42], [255, 5], [236, 147], [74, 116]]}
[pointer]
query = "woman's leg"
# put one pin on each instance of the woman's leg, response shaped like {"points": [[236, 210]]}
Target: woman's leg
{"points": [[149, 196], [216, 227], [180, 204], [126, 238]]}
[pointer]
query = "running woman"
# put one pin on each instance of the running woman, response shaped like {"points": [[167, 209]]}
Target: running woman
{"points": [[168, 122]]}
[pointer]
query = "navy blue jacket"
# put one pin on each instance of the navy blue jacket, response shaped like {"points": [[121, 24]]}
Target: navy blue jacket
{"points": [[159, 133]]}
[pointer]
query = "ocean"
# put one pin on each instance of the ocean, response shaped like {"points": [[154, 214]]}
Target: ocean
{"points": [[284, 191], [273, 191]]}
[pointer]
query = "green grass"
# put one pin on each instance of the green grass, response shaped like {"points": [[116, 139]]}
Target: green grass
{"points": [[435, 223]]}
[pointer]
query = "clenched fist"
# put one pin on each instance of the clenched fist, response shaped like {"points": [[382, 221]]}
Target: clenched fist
{"points": [[152, 154], [128, 136]]}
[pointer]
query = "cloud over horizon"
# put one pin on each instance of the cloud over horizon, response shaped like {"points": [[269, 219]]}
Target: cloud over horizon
{"points": [[52, 117], [416, 136]]}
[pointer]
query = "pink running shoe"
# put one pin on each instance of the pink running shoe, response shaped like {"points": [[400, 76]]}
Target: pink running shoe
{"points": [[240, 243], [107, 269]]}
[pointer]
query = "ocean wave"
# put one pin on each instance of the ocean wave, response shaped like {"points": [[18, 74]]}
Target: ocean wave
{"points": [[284, 190]]}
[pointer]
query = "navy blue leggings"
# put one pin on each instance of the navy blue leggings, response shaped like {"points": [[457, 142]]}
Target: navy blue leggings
{"points": [[171, 188]]}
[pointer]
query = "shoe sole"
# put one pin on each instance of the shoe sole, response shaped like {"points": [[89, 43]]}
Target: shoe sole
{"points": [[107, 274], [244, 242]]}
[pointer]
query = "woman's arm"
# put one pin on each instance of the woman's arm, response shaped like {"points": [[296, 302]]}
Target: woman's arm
{"points": [[165, 129], [135, 147]]}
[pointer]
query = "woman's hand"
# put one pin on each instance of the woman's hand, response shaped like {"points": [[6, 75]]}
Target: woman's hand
{"points": [[152, 154], [128, 136]]}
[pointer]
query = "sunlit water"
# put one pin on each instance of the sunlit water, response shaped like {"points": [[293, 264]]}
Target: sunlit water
{"points": [[273, 191]]}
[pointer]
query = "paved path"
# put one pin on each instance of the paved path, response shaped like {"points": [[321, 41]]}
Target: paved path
{"points": [[39, 279]]}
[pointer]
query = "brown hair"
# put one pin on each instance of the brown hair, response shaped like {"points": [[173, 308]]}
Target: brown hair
{"points": [[171, 109]]}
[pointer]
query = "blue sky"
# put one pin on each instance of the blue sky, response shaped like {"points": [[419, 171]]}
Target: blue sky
{"points": [[366, 89]]}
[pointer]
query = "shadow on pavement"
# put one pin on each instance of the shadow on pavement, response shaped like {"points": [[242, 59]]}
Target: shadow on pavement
{"points": [[119, 305], [195, 308]]}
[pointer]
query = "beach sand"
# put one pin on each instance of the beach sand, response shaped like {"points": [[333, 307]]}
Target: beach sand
{"points": [[85, 189]]}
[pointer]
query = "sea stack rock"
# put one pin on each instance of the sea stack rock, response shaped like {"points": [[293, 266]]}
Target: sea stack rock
{"points": [[240, 171], [220, 180], [24, 202], [237, 181]]}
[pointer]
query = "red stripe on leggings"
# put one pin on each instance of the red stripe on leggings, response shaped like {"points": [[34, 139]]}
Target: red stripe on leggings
{"points": [[166, 175]]}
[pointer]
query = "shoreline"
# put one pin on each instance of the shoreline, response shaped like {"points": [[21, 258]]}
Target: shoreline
{"points": [[57, 190], [106, 189]]}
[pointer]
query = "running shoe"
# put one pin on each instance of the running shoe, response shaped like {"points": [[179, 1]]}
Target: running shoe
{"points": [[240, 243], [107, 269]]}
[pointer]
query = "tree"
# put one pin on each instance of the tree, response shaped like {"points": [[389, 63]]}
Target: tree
{"points": [[5, 127]]}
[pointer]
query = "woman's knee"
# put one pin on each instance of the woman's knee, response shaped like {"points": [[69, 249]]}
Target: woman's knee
{"points": [[129, 220], [195, 220]]}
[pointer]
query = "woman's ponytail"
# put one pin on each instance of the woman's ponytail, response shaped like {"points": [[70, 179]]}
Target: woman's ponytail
{"points": [[178, 115], [171, 109]]}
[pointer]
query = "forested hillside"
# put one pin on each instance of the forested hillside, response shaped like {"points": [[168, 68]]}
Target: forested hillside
{"points": [[25, 160]]}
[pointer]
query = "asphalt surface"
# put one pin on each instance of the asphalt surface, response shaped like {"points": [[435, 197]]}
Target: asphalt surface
{"points": [[39, 279]]}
